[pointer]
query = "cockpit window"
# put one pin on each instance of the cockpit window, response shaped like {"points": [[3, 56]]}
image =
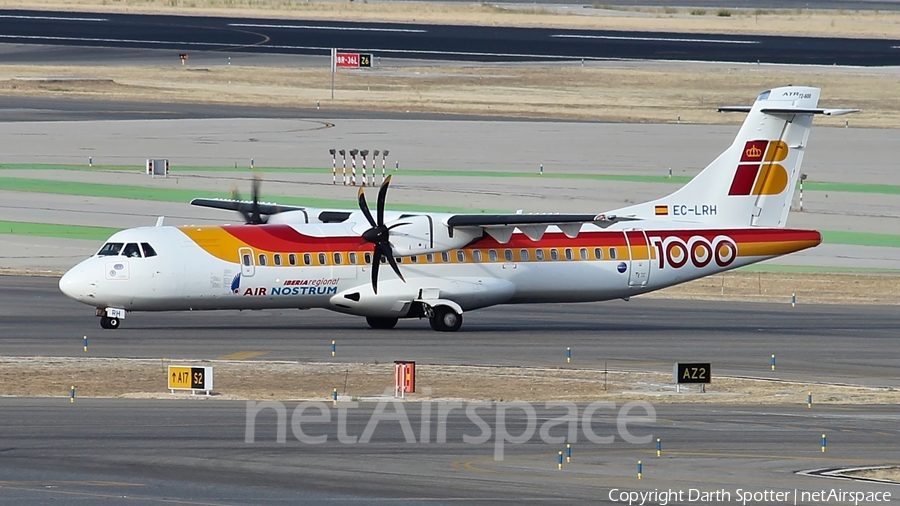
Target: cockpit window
{"points": [[110, 249], [131, 250], [148, 250]]}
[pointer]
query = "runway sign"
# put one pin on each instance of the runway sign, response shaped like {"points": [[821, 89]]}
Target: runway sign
{"points": [[353, 60], [347, 60], [190, 378], [692, 372]]}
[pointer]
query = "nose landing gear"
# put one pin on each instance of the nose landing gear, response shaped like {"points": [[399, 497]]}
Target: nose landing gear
{"points": [[109, 323]]}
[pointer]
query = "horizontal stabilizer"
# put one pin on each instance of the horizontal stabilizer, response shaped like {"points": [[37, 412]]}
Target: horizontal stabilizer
{"points": [[788, 110]]}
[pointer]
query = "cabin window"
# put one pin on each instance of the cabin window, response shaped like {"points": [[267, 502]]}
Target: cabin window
{"points": [[399, 260], [613, 253], [262, 259], [353, 257], [523, 254], [554, 254], [307, 259], [598, 253], [460, 256], [414, 259], [368, 257], [492, 255], [247, 259], [508, 255], [148, 250], [323, 259], [539, 255], [429, 258], [570, 255], [476, 255], [338, 258], [445, 257], [583, 253], [292, 259], [131, 250], [110, 249], [277, 258]]}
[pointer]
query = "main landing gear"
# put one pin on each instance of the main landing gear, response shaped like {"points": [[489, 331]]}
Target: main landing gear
{"points": [[109, 323], [442, 318], [445, 319], [381, 323]]}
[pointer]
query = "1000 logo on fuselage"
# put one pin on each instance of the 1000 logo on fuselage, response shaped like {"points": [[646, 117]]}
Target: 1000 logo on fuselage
{"points": [[674, 252]]}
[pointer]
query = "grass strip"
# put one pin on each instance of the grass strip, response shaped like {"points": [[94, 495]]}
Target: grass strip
{"points": [[57, 231], [179, 195], [822, 186], [861, 238]]}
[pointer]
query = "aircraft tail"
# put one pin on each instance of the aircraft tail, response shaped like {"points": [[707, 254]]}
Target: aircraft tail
{"points": [[752, 182]]}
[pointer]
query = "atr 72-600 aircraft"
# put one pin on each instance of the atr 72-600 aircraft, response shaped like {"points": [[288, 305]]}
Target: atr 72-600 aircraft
{"points": [[731, 214]]}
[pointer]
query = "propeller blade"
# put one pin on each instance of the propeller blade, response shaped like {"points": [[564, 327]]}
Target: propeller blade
{"points": [[391, 260], [382, 196], [395, 225], [376, 261], [254, 209], [365, 207]]}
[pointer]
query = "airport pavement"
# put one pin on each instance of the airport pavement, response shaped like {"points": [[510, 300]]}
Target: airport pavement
{"points": [[828, 343], [419, 144], [117, 451]]}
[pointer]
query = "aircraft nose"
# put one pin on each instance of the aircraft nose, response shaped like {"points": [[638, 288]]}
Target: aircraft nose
{"points": [[77, 284]]}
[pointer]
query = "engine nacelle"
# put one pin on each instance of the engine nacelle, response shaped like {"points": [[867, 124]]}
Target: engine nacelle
{"points": [[423, 233]]}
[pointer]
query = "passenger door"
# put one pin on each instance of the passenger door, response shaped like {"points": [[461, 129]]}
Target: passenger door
{"points": [[248, 265]]}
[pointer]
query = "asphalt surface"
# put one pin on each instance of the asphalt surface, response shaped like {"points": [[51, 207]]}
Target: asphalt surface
{"points": [[441, 42], [830, 343], [116, 451]]}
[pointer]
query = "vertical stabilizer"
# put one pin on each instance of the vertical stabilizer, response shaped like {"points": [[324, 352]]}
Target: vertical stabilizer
{"points": [[752, 182]]}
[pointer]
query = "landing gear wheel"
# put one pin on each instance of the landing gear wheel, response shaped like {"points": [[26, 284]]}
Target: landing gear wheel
{"points": [[109, 323], [445, 319], [381, 323]]}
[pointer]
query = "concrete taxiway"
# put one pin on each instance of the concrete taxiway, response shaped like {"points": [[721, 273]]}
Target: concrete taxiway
{"points": [[196, 452]]}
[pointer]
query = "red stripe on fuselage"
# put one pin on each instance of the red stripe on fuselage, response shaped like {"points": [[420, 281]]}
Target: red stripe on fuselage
{"points": [[285, 238]]}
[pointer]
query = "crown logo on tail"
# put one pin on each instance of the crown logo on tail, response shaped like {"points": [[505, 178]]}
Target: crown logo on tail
{"points": [[754, 152]]}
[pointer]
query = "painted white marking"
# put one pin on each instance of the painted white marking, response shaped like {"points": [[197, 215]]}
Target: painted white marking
{"points": [[342, 28], [51, 18], [655, 39]]}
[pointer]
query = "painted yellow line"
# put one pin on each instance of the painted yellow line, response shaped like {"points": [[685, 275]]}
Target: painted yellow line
{"points": [[244, 355]]}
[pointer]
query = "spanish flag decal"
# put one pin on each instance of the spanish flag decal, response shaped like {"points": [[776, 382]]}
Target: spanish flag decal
{"points": [[662, 210]]}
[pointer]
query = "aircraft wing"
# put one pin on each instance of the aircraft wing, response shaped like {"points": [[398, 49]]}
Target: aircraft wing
{"points": [[501, 226], [244, 206]]}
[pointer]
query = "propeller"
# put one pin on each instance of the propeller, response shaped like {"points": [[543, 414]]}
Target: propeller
{"points": [[250, 211], [379, 234]]}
